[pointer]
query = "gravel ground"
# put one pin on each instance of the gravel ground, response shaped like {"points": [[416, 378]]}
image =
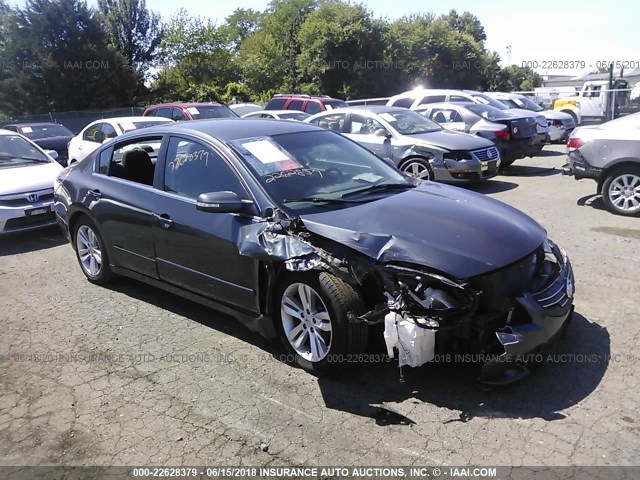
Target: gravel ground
{"points": [[129, 375]]}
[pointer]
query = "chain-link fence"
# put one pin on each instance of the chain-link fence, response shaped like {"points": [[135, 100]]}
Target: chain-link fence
{"points": [[76, 120]]}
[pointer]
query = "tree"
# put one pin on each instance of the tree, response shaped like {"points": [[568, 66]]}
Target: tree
{"points": [[269, 57], [239, 26], [515, 78], [465, 23], [198, 63], [61, 60], [342, 51], [134, 30]]}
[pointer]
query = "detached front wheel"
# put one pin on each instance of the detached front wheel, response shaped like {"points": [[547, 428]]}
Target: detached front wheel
{"points": [[313, 321], [621, 192]]}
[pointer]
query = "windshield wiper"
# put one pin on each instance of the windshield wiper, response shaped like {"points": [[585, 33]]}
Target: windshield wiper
{"points": [[320, 200], [380, 187]]}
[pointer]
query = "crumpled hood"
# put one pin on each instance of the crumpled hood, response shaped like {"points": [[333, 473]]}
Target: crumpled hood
{"points": [[460, 233], [28, 178], [451, 140]]}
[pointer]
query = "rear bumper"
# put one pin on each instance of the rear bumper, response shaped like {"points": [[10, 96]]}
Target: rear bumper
{"points": [[579, 168]]}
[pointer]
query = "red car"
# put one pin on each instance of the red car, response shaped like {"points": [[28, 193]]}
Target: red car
{"points": [[310, 104], [190, 111]]}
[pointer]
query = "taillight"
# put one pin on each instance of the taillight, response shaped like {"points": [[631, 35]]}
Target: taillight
{"points": [[574, 143], [502, 134]]}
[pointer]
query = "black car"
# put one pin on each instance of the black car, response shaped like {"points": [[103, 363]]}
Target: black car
{"points": [[48, 136], [302, 233]]}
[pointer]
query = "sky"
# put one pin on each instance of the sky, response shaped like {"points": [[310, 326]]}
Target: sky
{"points": [[541, 31]]}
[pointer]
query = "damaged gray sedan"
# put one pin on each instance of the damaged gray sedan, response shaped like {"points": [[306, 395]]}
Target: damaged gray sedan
{"points": [[301, 233]]}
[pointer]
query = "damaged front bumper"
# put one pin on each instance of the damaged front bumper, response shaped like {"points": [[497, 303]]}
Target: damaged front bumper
{"points": [[507, 348]]}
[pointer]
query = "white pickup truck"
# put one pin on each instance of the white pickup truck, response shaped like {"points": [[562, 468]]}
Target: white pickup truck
{"points": [[598, 102]]}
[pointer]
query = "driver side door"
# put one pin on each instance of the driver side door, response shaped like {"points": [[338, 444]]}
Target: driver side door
{"points": [[196, 250]]}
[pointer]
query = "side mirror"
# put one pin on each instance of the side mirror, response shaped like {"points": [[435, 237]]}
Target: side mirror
{"points": [[381, 132], [52, 153], [222, 202]]}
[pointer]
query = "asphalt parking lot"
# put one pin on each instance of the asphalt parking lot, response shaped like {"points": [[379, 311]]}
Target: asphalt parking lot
{"points": [[130, 375]]}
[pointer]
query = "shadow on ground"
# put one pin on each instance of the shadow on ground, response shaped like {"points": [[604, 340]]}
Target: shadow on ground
{"points": [[592, 200], [550, 153], [558, 385], [364, 388], [30, 241], [491, 186], [516, 170]]}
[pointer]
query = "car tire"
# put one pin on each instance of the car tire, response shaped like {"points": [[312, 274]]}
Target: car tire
{"points": [[573, 115], [621, 192], [417, 167], [311, 315], [90, 252]]}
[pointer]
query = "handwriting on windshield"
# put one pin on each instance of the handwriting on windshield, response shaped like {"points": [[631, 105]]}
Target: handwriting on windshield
{"points": [[298, 172], [183, 159]]}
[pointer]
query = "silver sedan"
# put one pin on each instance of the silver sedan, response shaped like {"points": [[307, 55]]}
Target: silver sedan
{"points": [[417, 145]]}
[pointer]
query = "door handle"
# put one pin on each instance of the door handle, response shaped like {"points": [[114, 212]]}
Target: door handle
{"points": [[95, 193], [164, 219]]}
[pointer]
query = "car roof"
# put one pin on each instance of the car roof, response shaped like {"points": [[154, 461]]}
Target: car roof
{"points": [[376, 109], [7, 132], [448, 104], [230, 129], [33, 124], [187, 105]]}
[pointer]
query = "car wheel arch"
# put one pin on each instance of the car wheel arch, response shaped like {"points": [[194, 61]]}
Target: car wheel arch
{"points": [[411, 157], [619, 164]]}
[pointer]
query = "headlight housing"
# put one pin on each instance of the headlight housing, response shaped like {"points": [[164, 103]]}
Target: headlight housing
{"points": [[430, 295]]}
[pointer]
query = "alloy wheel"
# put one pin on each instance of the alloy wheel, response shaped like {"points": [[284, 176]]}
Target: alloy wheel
{"points": [[89, 251], [417, 169], [306, 322], [624, 192]]}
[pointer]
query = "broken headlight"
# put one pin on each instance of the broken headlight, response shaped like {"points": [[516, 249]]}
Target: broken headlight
{"points": [[432, 295]]}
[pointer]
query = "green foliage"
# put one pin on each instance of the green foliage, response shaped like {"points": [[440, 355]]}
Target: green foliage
{"points": [[343, 51], [515, 78], [134, 31], [58, 58]]}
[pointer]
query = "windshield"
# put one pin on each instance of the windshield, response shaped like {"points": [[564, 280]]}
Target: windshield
{"points": [[313, 171], [128, 126], [487, 100], [488, 112], [36, 132], [408, 122], [300, 116], [211, 111], [15, 150], [331, 104], [527, 104]]}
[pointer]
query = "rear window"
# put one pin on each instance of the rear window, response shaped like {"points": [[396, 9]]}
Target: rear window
{"points": [[403, 102], [329, 104], [128, 126], [210, 111], [35, 132], [276, 104]]}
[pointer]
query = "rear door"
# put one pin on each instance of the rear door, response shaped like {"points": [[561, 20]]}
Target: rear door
{"points": [[123, 200], [196, 250]]}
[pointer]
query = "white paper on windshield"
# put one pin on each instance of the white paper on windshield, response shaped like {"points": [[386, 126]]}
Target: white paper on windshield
{"points": [[368, 177], [128, 126], [193, 110], [27, 130], [328, 107], [266, 152], [388, 117]]}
